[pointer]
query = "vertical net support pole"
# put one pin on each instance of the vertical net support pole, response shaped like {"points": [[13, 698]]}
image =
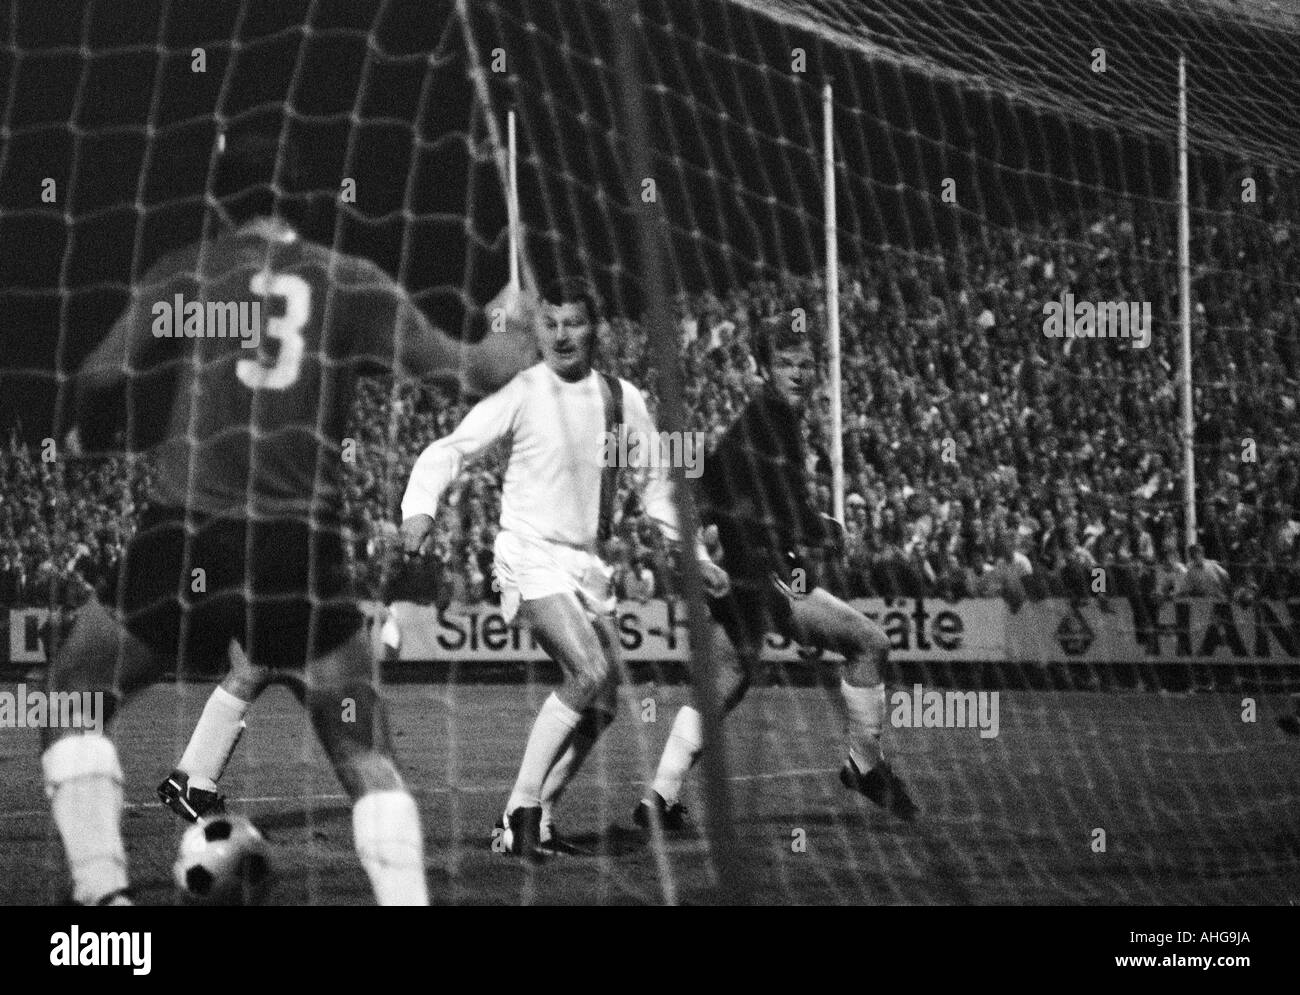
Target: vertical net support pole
{"points": [[512, 199], [833, 305], [729, 862], [1185, 314], [502, 152]]}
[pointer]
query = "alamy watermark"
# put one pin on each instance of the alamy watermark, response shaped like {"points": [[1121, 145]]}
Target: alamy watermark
{"points": [[100, 948], [921, 709], [1068, 319], [182, 319], [654, 450], [23, 709]]}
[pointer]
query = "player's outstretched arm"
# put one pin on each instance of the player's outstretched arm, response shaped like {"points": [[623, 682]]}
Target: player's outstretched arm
{"points": [[425, 352], [120, 353], [510, 345], [486, 424], [107, 366], [104, 377]]}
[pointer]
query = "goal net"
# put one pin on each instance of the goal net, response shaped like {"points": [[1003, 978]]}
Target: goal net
{"points": [[1084, 710]]}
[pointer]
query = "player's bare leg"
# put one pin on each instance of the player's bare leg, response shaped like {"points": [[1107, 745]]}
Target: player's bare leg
{"points": [[83, 778], [563, 629], [341, 694], [596, 718], [824, 621], [191, 789]]}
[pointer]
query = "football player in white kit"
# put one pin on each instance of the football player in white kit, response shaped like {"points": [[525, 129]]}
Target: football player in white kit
{"points": [[556, 418]]}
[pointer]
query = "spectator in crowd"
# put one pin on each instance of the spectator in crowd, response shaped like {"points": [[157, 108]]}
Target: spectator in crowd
{"points": [[1203, 578], [1169, 574]]}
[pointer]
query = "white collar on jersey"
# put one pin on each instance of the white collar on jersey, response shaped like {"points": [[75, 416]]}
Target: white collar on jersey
{"points": [[591, 372], [271, 229]]}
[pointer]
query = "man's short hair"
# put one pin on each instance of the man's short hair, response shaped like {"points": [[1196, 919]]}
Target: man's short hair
{"points": [[573, 290], [775, 333]]}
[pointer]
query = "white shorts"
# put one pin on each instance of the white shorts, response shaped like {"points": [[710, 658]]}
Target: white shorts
{"points": [[528, 569]]}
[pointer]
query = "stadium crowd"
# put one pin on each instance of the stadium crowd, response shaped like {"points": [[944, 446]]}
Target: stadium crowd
{"points": [[982, 459]]}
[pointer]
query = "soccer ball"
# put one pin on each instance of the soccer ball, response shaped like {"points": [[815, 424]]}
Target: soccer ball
{"points": [[224, 860]]}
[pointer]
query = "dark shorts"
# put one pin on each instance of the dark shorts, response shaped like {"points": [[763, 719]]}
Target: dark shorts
{"points": [[752, 608], [279, 586]]}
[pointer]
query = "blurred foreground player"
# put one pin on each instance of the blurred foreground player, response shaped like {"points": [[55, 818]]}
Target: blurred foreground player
{"points": [[754, 491], [556, 508], [191, 789], [243, 538]]}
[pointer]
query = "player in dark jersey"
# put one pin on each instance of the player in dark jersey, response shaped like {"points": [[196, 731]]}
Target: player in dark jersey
{"points": [[242, 540], [754, 492]]}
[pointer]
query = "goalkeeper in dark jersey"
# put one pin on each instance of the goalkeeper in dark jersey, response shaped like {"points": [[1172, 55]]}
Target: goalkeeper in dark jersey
{"points": [[242, 539], [754, 491]]}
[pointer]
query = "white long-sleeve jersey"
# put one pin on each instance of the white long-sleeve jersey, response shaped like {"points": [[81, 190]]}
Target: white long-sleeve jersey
{"points": [[555, 431]]}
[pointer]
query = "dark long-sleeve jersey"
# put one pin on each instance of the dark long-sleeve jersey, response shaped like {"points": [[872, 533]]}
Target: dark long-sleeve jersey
{"points": [[256, 432], [754, 489]]}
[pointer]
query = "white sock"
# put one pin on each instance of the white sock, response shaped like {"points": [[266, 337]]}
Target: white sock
{"points": [[83, 781], [550, 735], [214, 738], [685, 742], [866, 718], [386, 826]]}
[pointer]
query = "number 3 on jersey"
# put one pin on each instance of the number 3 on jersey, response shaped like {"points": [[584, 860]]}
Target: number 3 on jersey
{"points": [[283, 373]]}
